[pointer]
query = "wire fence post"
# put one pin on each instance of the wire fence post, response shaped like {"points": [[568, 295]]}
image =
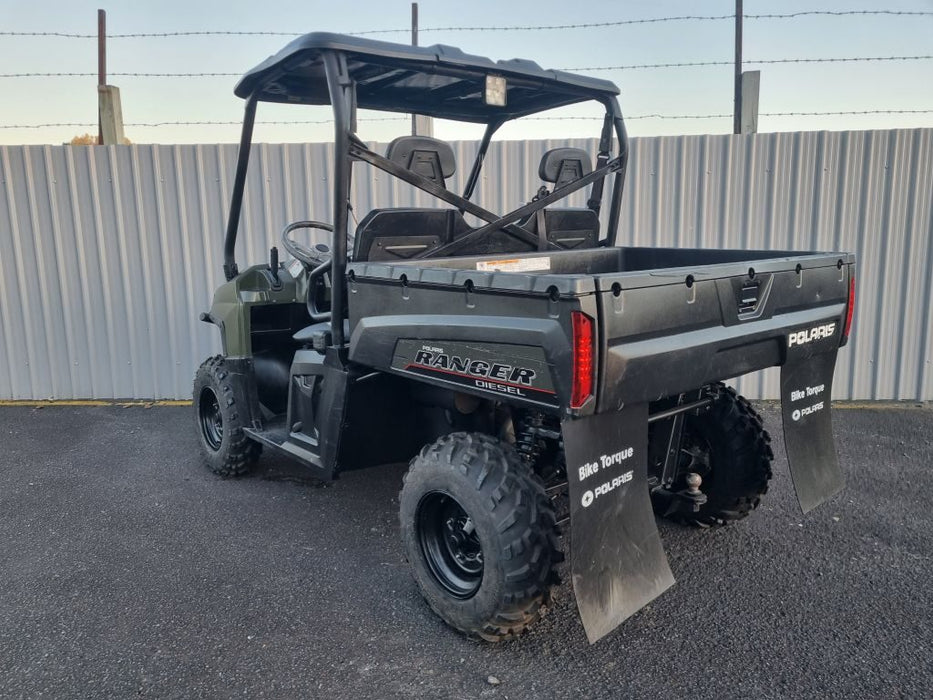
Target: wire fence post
{"points": [[414, 42], [419, 123], [737, 109]]}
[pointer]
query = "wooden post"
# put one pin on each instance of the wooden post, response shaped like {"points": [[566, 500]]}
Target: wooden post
{"points": [[737, 116], [101, 65], [751, 81], [111, 115]]}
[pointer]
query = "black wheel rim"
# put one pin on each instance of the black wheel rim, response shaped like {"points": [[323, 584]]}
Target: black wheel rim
{"points": [[210, 418], [450, 544]]}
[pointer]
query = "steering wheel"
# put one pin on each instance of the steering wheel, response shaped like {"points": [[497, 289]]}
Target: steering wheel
{"points": [[310, 258], [317, 263]]}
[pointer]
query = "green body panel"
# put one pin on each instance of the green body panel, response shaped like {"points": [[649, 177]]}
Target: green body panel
{"points": [[230, 310]]}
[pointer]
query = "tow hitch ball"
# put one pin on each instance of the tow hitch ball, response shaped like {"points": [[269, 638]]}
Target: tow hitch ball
{"points": [[687, 500]]}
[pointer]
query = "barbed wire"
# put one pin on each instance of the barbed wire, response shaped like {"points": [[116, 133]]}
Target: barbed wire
{"points": [[760, 114], [845, 112], [656, 20], [503, 28], [631, 66], [199, 123], [392, 119], [120, 75], [764, 61]]}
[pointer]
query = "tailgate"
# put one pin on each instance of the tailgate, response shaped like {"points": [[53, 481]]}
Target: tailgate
{"points": [[667, 332]]}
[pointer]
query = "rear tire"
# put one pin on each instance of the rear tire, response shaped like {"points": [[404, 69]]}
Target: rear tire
{"points": [[730, 449], [225, 447], [480, 535]]}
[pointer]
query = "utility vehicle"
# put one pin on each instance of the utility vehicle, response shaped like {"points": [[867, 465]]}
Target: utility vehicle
{"points": [[537, 374]]}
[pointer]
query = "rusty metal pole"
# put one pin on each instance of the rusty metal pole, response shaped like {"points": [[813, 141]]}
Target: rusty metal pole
{"points": [[737, 114], [101, 64]]}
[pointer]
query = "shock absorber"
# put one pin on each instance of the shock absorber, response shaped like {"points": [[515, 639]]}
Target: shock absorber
{"points": [[538, 442], [527, 444]]}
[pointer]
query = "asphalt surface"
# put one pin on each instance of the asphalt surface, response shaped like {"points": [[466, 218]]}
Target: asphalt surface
{"points": [[127, 569]]}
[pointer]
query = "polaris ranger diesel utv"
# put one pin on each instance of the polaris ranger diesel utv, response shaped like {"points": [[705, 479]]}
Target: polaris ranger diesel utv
{"points": [[535, 373]]}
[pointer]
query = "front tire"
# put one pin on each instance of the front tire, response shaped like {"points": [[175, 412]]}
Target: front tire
{"points": [[480, 535], [224, 446]]}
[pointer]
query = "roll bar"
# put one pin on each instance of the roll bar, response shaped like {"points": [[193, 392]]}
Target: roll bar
{"points": [[239, 184], [342, 92]]}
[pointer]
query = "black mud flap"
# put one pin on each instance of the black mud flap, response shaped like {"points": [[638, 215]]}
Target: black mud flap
{"points": [[806, 390], [617, 561]]}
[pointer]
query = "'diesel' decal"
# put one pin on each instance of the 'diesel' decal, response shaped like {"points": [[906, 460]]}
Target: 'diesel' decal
{"points": [[515, 370]]}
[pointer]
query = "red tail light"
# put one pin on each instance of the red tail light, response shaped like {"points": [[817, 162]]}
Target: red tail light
{"points": [[850, 310], [583, 367]]}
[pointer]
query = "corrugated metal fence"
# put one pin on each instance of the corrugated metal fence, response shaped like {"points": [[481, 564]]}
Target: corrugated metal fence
{"points": [[108, 254]]}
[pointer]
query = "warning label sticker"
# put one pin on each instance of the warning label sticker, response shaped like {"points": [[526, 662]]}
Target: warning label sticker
{"points": [[295, 267], [515, 265]]}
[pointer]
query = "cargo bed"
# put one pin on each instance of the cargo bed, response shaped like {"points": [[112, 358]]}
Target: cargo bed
{"points": [[670, 320], [583, 271]]}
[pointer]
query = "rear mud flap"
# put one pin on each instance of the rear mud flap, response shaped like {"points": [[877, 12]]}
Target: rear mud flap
{"points": [[617, 561], [806, 390]]}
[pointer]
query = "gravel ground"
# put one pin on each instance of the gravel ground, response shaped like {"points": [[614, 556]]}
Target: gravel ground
{"points": [[129, 570]]}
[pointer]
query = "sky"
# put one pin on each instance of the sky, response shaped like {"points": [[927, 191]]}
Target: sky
{"points": [[823, 87]]}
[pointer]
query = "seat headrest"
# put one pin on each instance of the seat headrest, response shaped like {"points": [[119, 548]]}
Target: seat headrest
{"points": [[428, 157], [564, 165]]}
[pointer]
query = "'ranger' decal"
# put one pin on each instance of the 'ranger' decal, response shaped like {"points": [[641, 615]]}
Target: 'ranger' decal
{"points": [[516, 370], [477, 368]]}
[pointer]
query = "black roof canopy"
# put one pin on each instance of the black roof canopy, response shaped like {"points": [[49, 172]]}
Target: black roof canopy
{"points": [[438, 81]]}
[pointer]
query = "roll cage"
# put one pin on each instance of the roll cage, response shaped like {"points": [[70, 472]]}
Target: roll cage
{"points": [[438, 81]]}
